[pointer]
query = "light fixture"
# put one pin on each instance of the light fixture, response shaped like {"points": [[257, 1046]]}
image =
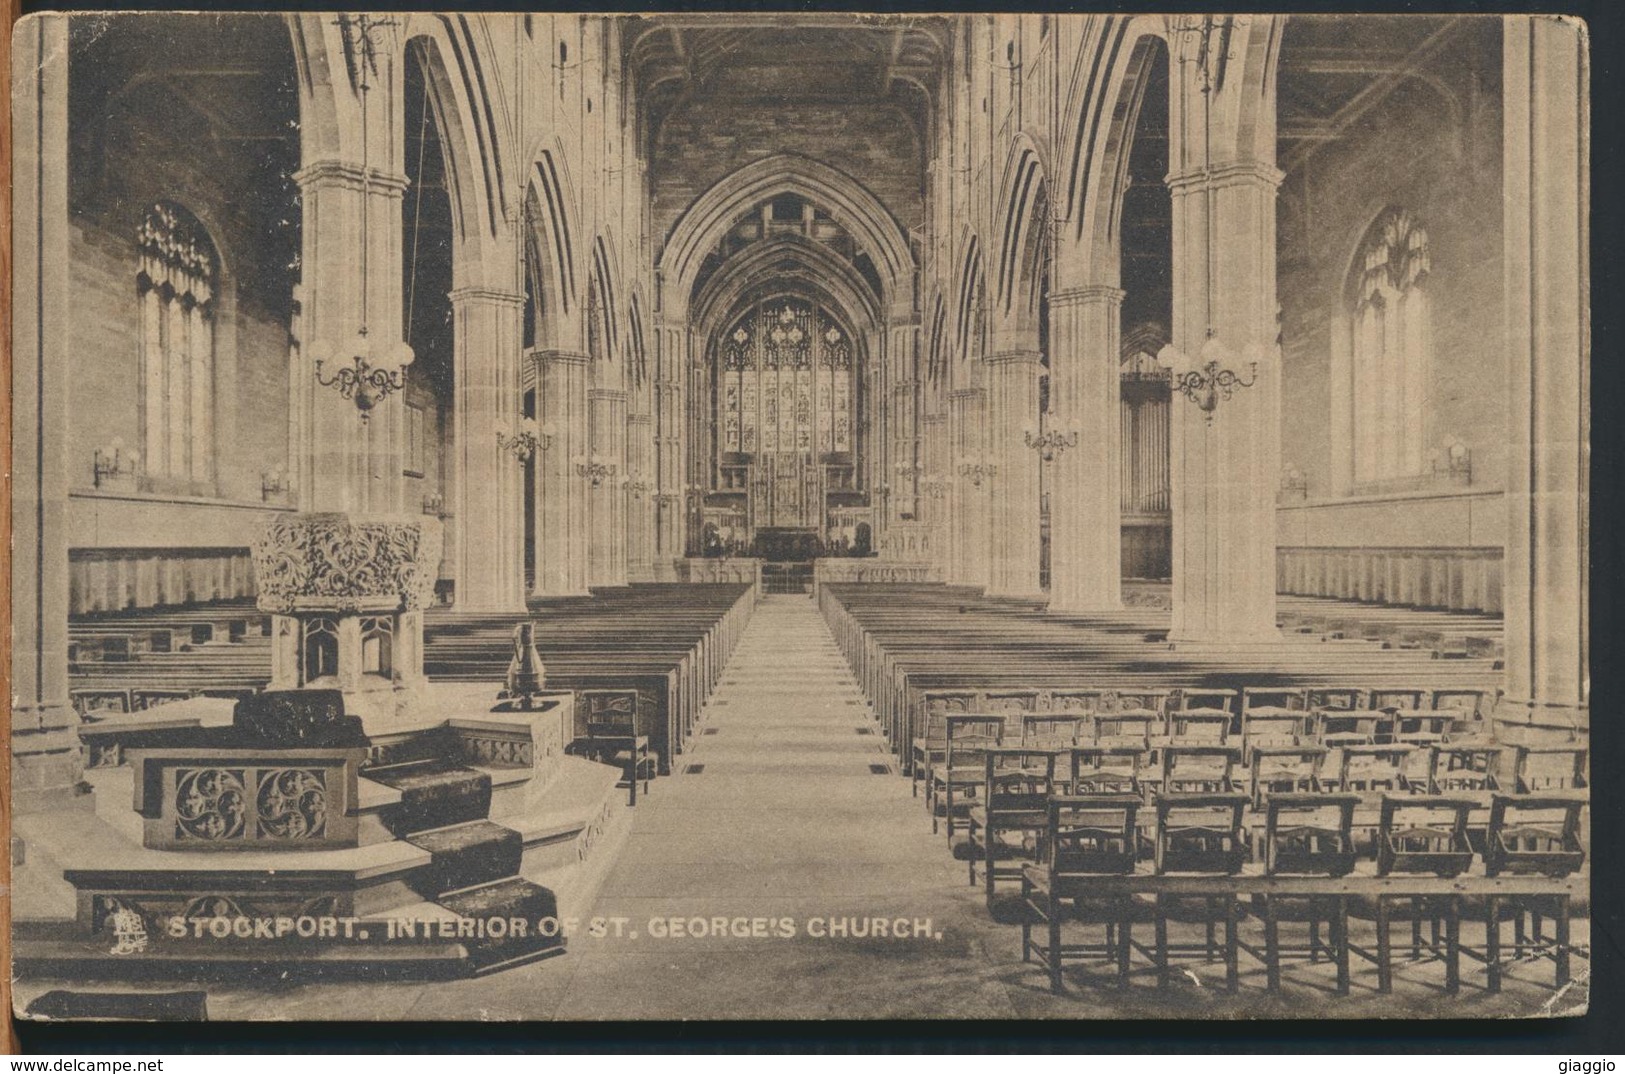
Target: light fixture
{"points": [[976, 471], [372, 372], [1051, 444], [528, 440], [906, 469], [1208, 377], [1294, 484], [434, 504], [273, 482], [595, 470], [636, 485], [934, 486], [1453, 461], [361, 380], [113, 461]]}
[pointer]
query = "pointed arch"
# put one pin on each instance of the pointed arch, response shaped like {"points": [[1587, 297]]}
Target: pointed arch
{"points": [[314, 40], [463, 98], [637, 360], [972, 311], [936, 366], [1102, 177], [813, 267], [607, 322], [849, 202], [465, 183], [551, 235], [1021, 202]]}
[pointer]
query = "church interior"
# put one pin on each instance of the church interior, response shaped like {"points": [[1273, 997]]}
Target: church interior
{"points": [[544, 516]]}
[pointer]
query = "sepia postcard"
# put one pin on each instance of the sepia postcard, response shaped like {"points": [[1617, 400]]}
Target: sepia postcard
{"points": [[798, 516]]}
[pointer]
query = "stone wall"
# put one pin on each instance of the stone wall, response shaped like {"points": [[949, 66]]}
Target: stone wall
{"points": [[1432, 146]]}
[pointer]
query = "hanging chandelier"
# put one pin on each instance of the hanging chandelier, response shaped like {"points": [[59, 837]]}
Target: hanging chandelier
{"points": [[1051, 444], [369, 373], [1208, 377]]}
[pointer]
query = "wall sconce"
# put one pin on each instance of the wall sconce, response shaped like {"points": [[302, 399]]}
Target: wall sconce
{"points": [[434, 504], [367, 384], [934, 487], [636, 485], [595, 470], [113, 461], [908, 469], [1294, 485], [1051, 444], [273, 482], [1453, 461], [1207, 378], [528, 440], [976, 471]]}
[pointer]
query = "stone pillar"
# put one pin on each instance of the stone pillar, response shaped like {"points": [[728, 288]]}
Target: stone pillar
{"points": [[1225, 465], [901, 399], [561, 495], [969, 491], [701, 442], [341, 462], [1012, 411], [937, 458], [640, 502], [1086, 506], [45, 761], [606, 499], [486, 482], [1547, 237], [671, 361]]}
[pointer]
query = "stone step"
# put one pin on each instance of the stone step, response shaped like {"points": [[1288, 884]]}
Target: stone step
{"points": [[434, 794], [466, 855], [515, 901]]}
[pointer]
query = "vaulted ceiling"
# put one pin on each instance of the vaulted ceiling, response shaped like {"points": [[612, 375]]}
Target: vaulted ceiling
{"points": [[787, 59]]}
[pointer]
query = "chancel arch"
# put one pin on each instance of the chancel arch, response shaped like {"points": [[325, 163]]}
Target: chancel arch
{"points": [[789, 312]]}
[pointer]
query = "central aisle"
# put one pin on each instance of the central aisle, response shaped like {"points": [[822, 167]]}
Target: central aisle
{"points": [[778, 813]]}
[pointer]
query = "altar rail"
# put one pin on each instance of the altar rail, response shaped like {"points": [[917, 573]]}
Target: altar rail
{"points": [[1460, 579], [826, 571], [726, 571]]}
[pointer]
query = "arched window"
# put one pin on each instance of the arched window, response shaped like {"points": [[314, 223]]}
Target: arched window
{"points": [[1389, 349], [377, 646], [319, 655], [178, 283]]}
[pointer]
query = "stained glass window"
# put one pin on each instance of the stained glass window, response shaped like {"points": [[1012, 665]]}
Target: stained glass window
{"points": [[785, 386]]}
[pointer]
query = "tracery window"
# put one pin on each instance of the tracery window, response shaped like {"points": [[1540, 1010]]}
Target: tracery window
{"points": [[178, 284], [786, 382], [1389, 349]]}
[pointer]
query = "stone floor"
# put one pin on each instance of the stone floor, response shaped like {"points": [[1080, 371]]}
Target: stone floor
{"points": [[776, 815]]}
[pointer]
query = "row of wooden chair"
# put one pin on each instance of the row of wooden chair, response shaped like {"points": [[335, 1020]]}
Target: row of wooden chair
{"points": [[1093, 869], [1278, 750], [1214, 858]]}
